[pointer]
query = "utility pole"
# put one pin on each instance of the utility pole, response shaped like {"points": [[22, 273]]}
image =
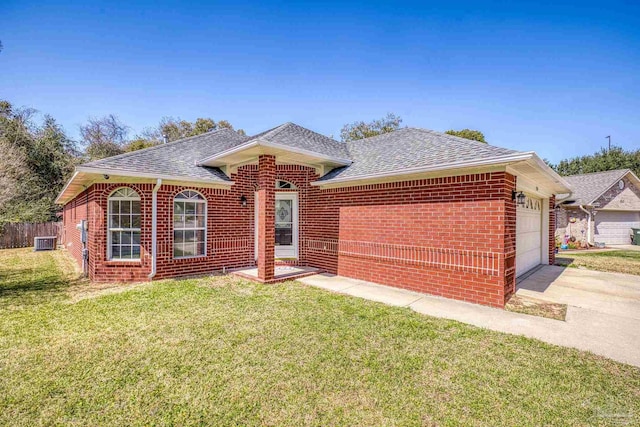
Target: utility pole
{"points": [[609, 138]]}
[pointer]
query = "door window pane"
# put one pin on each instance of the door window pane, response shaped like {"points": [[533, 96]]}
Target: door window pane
{"points": [[284, 210], [284, 234]]}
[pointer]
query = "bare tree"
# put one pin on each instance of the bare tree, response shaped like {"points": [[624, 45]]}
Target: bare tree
{"points": [[104, 137]]}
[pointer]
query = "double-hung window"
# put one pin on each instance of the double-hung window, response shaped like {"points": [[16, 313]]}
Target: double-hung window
{"points": [[189, 225], [123, 216]]}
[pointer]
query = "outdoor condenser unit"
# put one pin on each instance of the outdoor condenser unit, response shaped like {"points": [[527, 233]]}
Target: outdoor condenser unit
{"points": [[46, 243]]}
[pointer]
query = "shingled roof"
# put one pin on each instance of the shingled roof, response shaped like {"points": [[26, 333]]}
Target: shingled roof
{"points": [[293, 135], [588, 187], [177, 159], [407, 150], [411, 148]]}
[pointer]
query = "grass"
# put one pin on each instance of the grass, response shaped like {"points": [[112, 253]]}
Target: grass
{"points": [[224, 351], [616, 261], [536, 307]]}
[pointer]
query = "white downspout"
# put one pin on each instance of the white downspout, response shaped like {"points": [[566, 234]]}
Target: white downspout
{"points": [[154, 228], [588, 223]]}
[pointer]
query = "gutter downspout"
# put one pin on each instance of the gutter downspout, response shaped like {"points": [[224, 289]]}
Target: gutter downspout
{"points": [[154, 228], [588, 223]]}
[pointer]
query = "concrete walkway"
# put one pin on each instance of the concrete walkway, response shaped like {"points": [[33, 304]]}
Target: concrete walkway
{"points": [[601, 332]]}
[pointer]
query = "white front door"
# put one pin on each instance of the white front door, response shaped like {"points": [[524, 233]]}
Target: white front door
{"points": [[286, 225]]}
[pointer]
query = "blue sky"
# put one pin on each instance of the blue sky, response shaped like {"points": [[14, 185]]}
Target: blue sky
{"points": [[536, 76]]}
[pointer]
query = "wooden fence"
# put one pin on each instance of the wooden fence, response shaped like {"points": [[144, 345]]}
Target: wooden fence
{"points": [[21, 235]]}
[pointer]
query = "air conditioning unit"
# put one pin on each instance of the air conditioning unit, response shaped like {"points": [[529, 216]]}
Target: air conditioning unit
{"points": [[47, 243]]}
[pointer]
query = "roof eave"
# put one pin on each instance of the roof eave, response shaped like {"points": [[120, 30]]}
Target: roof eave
{"points": [[65, 196], [506, 160], [553, 174]]}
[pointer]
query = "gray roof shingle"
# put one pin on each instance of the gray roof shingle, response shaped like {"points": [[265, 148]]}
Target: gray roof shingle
{"points": [[293, 135], [588, 187], [403, 149], [410, 148], [177, 158]]}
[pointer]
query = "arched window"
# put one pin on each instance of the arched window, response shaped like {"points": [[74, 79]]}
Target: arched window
{"points": [[123, 235], [286, 185], [189, 225]]}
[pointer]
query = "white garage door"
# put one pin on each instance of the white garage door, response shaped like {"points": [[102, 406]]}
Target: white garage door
{"points": [[528, 235], [614, 228]]}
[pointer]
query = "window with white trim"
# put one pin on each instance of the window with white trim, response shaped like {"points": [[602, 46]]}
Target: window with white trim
{"points": [[189, 225], [123, 216]]}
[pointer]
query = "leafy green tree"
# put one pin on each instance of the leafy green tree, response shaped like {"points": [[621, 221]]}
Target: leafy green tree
{"points": [[360, 130], [474, 135], [139, 144], [36, 161], [203, 126], [175, 129], [104, 137], [604, 160]]}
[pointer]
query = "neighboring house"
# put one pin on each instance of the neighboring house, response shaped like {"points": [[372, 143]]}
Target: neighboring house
{"points": [[414, 209], [603, 207]]}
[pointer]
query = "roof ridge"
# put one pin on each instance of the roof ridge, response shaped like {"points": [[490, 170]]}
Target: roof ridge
{"points": [[271, 132], [599, 172], [158, 146]]}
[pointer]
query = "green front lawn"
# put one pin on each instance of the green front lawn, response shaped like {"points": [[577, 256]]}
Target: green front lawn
{"points": [[616, 261], [224, 351]]}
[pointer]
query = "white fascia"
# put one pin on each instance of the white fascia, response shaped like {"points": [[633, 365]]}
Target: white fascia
{"points": [[75, 174]]}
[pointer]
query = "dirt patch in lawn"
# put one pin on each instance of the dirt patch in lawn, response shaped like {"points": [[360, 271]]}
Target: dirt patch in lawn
{"points": [[536, 307], [85, 289]]}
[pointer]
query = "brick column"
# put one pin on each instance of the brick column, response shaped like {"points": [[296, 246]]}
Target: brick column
{"points": [[509, 269], [266, 216]]}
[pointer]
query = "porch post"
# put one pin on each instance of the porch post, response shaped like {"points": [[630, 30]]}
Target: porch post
{"points": [[266, 216]]}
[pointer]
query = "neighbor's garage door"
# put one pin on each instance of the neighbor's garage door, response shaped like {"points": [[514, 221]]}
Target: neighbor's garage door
{"points": [[614, 228], [528, 235]]}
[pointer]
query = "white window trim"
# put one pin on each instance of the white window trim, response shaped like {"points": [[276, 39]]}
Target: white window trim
{"points": [[109, 229], [205, 203]]}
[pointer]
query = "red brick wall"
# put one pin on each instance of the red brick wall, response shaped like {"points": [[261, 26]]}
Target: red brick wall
{"points": [[463, 213], [509, 237], [472, 212], [73, 213], [230, 228]]}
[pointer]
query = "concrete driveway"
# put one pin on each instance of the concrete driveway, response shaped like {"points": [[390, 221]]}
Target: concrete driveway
{"points": [[603, 293], [603, 313]]}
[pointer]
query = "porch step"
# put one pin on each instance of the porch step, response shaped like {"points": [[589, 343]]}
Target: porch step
{"points": [[281, 272]]}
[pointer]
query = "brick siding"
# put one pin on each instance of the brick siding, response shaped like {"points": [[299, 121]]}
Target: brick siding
{"points": [[449, 236]]}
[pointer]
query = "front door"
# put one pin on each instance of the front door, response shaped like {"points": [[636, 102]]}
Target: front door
{"points": [[286, 225]]}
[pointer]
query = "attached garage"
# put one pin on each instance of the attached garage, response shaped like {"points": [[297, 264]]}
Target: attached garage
{"points": [[614, 227], [528, 235]]}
